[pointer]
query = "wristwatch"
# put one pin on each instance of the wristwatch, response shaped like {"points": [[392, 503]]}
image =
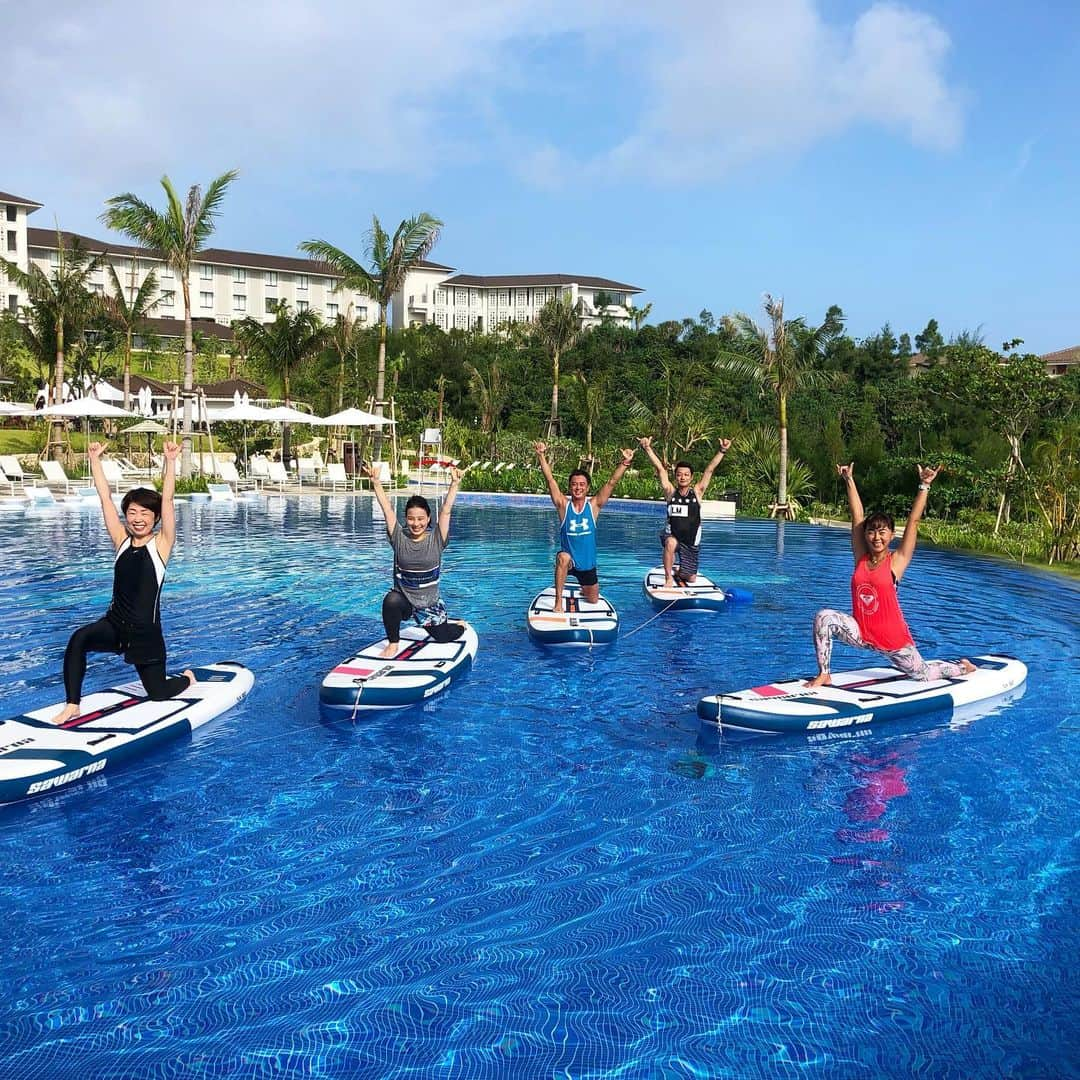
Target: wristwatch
{"points": [[924, 487]]}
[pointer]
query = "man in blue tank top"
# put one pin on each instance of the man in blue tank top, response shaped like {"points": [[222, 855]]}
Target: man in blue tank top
{"points": [[577, 518], [680, 538]]}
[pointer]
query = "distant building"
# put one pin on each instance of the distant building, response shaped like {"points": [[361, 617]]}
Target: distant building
{"points": [[473, 302], [1058, 363], [228, 285]]}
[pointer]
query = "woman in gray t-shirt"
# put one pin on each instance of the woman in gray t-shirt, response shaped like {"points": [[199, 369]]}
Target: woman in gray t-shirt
{"points": [[417, 564]]}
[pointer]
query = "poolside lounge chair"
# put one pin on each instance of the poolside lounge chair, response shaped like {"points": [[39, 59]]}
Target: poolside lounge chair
{"points": [[227, 471], [12, 475], [55, 477], [335, 477], [113, 476], [276, 476], [307, 471], [220, 492]]}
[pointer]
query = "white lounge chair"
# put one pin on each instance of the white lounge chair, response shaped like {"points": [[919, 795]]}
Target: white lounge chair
{"points": [[382, 471], [307, 472], [12, 475], [227, 471], [276, 476], [55, 477], [335, 477], [220, 492], [113, 475]]}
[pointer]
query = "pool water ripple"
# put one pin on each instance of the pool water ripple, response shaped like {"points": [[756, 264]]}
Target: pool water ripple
{"points": [[554, 869]]}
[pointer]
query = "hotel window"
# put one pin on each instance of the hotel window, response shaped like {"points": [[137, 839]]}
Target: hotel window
{"points": [[11, 213], [206, 272], [97, 287], [12, 302], [270, 305], [165, 271], [54, 258], [504, 297], [521, 296], [168, 298], [239, 302], [206, 299], [302, 305], [271, 277], [331, 284], [239, 274], [11, 240], [331, 311], [361, 314], [301, 281]]}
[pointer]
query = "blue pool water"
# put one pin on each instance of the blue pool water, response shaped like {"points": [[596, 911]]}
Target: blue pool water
{"points": [[553, 870]]}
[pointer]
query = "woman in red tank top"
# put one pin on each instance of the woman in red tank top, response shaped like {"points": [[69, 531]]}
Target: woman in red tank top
{"points": [[878, 623]]}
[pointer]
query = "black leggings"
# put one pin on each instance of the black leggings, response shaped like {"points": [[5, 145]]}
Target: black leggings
{"points": [[395, 609], [102, 636]]}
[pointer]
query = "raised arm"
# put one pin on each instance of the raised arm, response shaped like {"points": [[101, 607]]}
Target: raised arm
{"points": [[117, 532], [604, 493], [167, 532], [372, 473], [902, 555], [703, 484], [448, 505], [858, 515], [645, 442], [557, 497]]}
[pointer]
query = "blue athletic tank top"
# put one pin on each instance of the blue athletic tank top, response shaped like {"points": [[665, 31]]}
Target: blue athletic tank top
{"points": [[578, 535]]}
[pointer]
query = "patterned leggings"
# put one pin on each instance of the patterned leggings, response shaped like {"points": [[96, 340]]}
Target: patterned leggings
{"points": [[829, 624]]}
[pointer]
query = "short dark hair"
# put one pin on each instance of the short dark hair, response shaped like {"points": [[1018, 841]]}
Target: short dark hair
{"points": [[879, 517], [578, 472], [683, 465], [147, 498], [418, 501]]}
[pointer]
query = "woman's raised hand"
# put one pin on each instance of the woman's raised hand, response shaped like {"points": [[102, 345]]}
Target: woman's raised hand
{"points": [[456, 474], [627, 456], [540, 447], [847, 471], [95, 450], [369, 470], [927, 473], [171, 450], [644, 441], [725, 445]]}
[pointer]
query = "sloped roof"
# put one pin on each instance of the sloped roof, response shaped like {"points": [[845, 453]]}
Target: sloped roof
{"points": [[7, 197], [507, 281], [46, 238]]}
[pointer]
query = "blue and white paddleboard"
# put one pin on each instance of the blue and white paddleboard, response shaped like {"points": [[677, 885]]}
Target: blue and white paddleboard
{"points": [[579, 623], [39, 758], [422, 669], [702, 595], [857, 698]]}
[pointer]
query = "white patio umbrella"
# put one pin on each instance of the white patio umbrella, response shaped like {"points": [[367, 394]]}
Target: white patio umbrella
{"points": [[243, 412], [83, 409], [15, 408], [285, 414], [354, 418], [149, 428]]}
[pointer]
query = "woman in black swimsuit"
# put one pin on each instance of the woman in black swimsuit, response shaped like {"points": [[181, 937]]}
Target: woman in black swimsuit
{"points": [[132, 625]]}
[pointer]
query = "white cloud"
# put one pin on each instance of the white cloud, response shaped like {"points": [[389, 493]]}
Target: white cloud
{"points": [[695, 87]]}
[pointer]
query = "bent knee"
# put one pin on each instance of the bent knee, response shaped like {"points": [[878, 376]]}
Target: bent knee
{"points": [[563, 560]]}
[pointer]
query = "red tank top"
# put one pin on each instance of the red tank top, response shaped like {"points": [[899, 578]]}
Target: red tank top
{"points": [[876, 607]]}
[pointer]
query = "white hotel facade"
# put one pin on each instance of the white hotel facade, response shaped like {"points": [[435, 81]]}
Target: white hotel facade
{"points": [[229, 285]]}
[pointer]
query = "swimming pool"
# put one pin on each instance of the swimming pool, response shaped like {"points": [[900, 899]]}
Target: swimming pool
{"points": [[554, 869]]}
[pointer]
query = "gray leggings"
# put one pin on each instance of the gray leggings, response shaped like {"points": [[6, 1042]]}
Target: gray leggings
{"points": [[829, 624]]}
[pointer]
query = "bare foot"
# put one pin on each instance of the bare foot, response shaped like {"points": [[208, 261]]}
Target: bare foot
{"points": [[557, 609], [190, 677], [822, 679], [68, 712], [669, 583], [967, 665], [390, 650]]}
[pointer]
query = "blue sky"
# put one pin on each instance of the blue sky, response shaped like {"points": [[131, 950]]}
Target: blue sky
{"points": [[905, 161]]}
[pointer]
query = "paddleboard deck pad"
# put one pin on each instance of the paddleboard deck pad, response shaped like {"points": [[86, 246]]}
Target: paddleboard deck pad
{"points": [[115, 725], [422, 669], [579, 623], [857, 698], [702, 594]]}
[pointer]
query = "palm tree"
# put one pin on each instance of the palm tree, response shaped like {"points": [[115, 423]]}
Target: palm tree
{"points": [[491, 392], [176, 235], [128, 314], [344, 339], [281, 346], [390, 260], [61, 307], [777, 357], [588, 400], [557, 326]]}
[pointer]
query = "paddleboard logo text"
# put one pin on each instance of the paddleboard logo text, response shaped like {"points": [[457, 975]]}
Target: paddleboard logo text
{"points": [[65, 778]]}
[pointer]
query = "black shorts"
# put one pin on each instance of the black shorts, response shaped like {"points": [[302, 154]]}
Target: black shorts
{"points": [[584, 577]]}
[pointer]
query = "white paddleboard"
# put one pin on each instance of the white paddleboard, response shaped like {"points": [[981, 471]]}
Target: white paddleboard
{"points": [[422, 669], [702, 594], [857, 698], [38, 758], [579, 623]]}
